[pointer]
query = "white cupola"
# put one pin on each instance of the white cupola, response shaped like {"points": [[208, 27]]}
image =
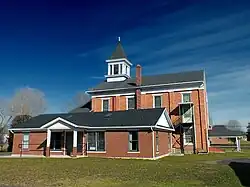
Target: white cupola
{"points": [[118, 65]]}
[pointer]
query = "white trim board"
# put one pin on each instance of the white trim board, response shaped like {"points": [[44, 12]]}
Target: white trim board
{"points": [[92, 128], [149, 92], [113, 95], [165, 122], [58, 120]]}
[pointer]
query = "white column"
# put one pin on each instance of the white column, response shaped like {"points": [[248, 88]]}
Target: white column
{"points": [[108, 69], [74, 138], [238, 144], [48, 137], [64, 143]]}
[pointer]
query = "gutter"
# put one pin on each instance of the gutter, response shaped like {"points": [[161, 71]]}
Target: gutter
{"points": [[146, 86], [153, 142]]}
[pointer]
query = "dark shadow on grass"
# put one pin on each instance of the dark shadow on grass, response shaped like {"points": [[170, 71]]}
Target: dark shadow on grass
{"points": [[242, 170]]}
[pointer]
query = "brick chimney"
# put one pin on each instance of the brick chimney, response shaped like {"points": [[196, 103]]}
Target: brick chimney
{"points": [[138, 89]]}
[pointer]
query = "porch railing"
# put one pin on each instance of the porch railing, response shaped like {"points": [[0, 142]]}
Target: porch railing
{"points": [[39, 148], [42, 148]]}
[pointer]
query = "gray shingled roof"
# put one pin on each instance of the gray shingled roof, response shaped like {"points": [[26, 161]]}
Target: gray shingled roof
{"points": [[222, 130], [86, 107], [118, 52], [142, 117], [156, 80]]}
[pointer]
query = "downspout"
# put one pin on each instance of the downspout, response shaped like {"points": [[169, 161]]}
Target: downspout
{"points": [[153, 142], [206, 108], [194, 128], [200, 119], [169, 105]]}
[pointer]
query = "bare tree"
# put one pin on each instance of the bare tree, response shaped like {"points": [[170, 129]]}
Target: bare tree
{"points": [[78, 100], [5, 116], [234, 125], [26, 101]]}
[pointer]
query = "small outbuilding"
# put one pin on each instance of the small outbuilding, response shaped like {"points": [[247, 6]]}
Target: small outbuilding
{"points": [[221, 135]]}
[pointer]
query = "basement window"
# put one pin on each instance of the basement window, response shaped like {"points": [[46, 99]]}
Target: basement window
{"points": [[133, 141]]}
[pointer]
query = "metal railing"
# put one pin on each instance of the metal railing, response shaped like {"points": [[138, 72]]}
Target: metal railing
{"points": [[39, 148], [82, 147]]}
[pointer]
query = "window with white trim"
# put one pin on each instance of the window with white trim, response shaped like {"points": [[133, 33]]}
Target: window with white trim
{"points": [[96, 141], [110, 69], [157, 101], [26, 139], [130, 102], [105, 105], [157, 140], [186, 97], [133, 141], [188, 135]]}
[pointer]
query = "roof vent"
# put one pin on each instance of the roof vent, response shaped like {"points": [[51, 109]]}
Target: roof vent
{"points": [[108, 115]]}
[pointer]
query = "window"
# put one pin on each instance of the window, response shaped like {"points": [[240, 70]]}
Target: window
{"points": [[157, 101], [120, 68], [110, 69], [26, 138], [96, 141], [116, 69], [105, 105], [126, 69], [186, 97], [56, 141], [133, 141], [157, 141], [188, 135], [130, 102]]}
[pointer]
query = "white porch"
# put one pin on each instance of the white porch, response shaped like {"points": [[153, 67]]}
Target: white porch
{"points": [[63, 139]]}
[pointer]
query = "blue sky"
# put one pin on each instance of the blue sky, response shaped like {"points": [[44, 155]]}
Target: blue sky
{"points": [[61, 47]]}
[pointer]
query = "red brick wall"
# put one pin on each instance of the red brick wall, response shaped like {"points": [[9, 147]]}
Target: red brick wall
{"points": [[163, 143], [117, 145], [216, 140], [171, 101], [37, 139]]}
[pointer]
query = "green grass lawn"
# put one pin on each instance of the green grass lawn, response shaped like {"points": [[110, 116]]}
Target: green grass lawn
{"points": [[190, 170]]}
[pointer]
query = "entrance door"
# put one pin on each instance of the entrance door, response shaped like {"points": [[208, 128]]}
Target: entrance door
{"points": [[69, 143], [187, 114], [79, 142]]}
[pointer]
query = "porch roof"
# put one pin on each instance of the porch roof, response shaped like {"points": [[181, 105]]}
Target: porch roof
{"points": [[223, 131], [116, 119]]}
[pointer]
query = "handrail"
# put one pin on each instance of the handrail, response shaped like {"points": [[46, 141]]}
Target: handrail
{"points": [[84, 147]]}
